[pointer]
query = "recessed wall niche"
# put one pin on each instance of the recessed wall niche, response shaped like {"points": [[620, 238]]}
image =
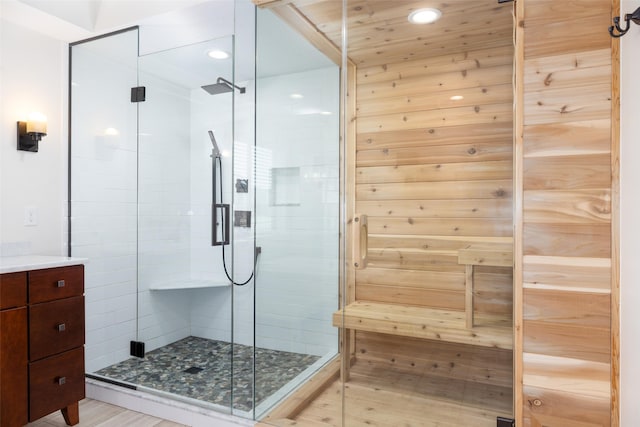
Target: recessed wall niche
{"points": [[285, 189]]}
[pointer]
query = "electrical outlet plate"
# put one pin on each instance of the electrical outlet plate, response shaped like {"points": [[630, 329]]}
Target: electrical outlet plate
{"points": [[30, 216]]}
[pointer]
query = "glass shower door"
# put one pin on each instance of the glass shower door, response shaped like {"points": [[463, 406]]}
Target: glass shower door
{"points": [[184, 296], [102, 187]]}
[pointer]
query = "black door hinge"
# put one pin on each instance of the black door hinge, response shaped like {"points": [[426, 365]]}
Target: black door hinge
{"points": [[505, 422], [137, 348], [138, 94]]}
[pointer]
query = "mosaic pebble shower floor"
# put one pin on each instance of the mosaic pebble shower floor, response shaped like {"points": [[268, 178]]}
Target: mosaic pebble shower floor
{"points": [[200, 369]]}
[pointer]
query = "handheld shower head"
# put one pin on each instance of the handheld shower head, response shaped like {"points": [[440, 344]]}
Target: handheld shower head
{"points": [[216, 150]]}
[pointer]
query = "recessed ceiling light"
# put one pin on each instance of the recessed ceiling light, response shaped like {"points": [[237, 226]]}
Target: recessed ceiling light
{"points": [[296, 96], [457, 97], [424, 16], [217, 54]]}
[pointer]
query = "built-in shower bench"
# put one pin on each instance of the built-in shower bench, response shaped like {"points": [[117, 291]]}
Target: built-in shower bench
{"points": [[187, 283], [463, 327]]}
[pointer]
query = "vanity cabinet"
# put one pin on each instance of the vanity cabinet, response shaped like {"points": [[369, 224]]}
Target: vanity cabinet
{"points": [[13, 350], [41, 344]]}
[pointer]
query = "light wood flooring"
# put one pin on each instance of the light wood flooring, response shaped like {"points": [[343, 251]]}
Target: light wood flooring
{"points": [[424, 384], [95, 413], [367, 405]]}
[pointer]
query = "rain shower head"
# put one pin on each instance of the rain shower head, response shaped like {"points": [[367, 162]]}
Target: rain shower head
{"points": [[216, 150], [222, 86]]}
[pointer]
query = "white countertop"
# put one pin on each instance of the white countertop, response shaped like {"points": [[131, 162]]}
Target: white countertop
{"points": [[11, 264]]}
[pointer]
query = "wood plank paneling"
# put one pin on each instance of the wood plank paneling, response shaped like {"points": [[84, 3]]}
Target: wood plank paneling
{"points": [[446, 360], [487, 189], [567, 213], [455, 62], [568, 70], [477, 114], [466, 97], [562, 239], [559, 139], [442, 226], [428, 84], [573, 274], [467, 208], [495, 170], [567, 375], [451, 243], [568, 104], [574, 308], [442, 280], [549, 407], [433, 298], [567, 172], [471, 152], [554, 35], [569, 207], [497, 133], [572, 341]]}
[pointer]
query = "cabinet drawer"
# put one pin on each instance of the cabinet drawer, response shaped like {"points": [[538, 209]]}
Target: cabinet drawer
{"points": [[55, 327], [13, 290], [56, 382], [54, 283]]}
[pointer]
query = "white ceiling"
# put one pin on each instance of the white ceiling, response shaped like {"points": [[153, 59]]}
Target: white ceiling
{"points": [[166, 24], [71, 20]]}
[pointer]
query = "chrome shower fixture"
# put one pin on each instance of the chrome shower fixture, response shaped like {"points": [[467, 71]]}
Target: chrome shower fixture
{"points": [[222, 86]]}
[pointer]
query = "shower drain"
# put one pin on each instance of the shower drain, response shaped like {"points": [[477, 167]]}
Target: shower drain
{"points": [[192, 370]]}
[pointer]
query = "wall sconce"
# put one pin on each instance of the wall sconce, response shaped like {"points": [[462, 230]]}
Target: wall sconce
{"points": [[31, 132]]}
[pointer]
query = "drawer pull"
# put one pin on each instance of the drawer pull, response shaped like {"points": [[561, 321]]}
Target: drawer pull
{"points": [[61, 283], [62, 327], [61, 380]]}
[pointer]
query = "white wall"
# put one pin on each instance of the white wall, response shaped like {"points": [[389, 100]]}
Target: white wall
{"points": [[629, 214], [32, 73]]}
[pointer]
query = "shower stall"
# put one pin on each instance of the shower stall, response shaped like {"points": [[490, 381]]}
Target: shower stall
{"points": [[205, 191]]}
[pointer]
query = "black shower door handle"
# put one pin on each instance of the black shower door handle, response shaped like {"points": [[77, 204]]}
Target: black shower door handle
{"points": [[225, 224]]}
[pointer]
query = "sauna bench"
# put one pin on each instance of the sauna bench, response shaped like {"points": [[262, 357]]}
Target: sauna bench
{"points": [[41, 338], [426, 323]]}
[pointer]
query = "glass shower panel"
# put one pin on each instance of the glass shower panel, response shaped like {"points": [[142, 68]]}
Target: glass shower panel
{"points": [[184, 295], [103, 210], [297, 210]]}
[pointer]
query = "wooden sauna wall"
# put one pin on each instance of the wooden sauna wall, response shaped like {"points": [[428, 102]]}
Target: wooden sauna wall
{"points": [[566, 223], [435, 175]]}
